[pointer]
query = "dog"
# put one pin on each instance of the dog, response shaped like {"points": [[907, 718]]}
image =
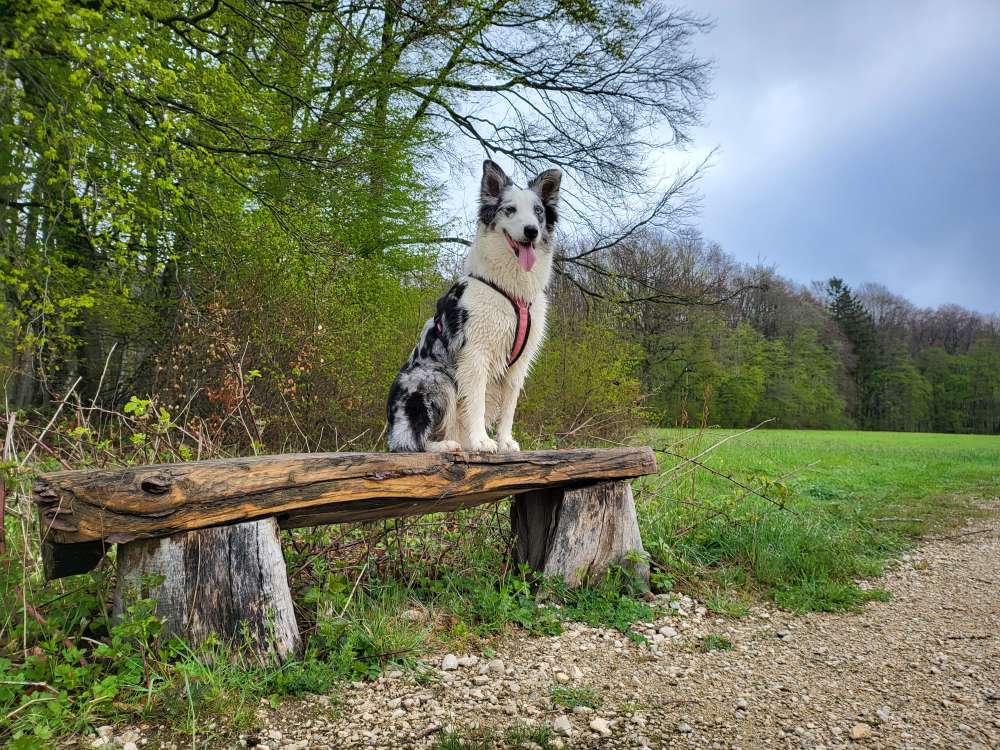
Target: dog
{"points": [[472, 357]]}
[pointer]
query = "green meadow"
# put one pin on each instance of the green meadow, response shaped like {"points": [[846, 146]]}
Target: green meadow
{"points": [[800, 516]]}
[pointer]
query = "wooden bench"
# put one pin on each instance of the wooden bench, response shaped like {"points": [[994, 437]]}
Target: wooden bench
{"points": [[209, 529]]}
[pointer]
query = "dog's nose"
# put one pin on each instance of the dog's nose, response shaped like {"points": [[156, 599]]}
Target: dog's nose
{"points": [[530, 232]]}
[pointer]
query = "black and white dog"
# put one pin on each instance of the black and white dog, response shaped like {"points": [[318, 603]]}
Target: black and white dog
{"points": [[470, 362]]}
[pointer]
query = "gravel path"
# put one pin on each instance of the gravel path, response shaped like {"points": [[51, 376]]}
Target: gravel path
{"points": [[922, 671]]}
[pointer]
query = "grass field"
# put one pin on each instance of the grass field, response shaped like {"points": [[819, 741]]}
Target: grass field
{"points": [[798, 516]]}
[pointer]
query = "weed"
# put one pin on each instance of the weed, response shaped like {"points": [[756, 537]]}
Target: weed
{"points": [[724, 603], [613, 602], [513, 737], [716, 642], [571, 697]]}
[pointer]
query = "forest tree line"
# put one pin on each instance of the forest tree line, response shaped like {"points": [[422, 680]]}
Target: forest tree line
{"points": [[740, 345], [232, 209]]}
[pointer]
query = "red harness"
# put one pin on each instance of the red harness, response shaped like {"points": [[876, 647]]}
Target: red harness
{"points": [[522, 313]]}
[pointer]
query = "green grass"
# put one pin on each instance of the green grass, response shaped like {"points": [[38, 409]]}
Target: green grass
{"points": [[571, 697], [835, 507], [725, 603], [716, 642], [513, 737]]}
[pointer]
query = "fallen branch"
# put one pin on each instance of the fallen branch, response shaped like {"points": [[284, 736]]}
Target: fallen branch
{"points": [[28, 683], [727, 477], [711, 448], [958, 536], [974, 637]]}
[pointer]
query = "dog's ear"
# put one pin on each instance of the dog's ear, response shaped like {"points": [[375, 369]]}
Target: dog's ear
{"points": [[490, 189], [546, 184], [493, 183]]}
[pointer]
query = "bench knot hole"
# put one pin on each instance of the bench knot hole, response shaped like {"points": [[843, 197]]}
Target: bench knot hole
{"points": [[156, 485]]}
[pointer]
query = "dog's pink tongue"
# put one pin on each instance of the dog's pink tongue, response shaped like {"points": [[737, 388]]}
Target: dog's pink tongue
{"points": [[526, 256]]}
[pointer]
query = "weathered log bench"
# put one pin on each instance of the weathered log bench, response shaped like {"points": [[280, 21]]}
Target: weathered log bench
{"points": [[208, 530]]}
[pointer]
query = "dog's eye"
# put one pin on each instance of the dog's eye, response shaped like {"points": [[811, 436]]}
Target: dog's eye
{"points": [[509, 210], [538, 210]]}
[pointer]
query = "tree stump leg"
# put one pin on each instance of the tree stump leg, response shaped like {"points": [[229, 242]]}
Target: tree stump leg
{"points": [[578, 534], [228, 580]]}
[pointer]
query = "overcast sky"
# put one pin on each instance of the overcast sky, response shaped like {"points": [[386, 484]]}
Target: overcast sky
{"points": [[858, 139]]}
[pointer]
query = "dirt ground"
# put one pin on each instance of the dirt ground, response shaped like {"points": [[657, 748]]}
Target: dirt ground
{"points": [[921, 671]]}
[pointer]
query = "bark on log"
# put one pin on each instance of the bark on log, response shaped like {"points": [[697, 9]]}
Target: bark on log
{"points": [[305, 489], [578, 534], [229, 580]]}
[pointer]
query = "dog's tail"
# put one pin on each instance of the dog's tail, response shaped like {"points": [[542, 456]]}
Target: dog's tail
{"points": [[409, 423], [404, 441]]}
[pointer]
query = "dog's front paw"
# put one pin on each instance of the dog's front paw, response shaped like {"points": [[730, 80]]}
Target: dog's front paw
{"points": [[484, 443], [444, 446], [507, 444]]}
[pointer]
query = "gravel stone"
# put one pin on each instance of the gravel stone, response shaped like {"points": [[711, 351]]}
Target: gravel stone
{"points": [[562, 725], [601, 726], [860, 730]]}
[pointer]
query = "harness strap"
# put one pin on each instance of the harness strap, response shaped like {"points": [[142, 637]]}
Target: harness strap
{"points": [[522, 315]]}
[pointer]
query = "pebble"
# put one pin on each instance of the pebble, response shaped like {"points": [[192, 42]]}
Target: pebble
{"points": [[667, 632], [562, 725], [449, 663], [493, 666], [601, 726], [100, 742], [562, 678], [684, 728], [129, 735], [130, 746], [741, 704], [883, 714], [860, 730], [576, 673], [106, 732]]}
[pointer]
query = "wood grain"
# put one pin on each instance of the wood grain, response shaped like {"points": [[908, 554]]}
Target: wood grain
{"points": [[578, 534], [229, 582], [146, 502]]}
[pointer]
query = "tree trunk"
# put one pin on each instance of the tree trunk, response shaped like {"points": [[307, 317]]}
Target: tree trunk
{"points": [[578, 534], [230, 581]]}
